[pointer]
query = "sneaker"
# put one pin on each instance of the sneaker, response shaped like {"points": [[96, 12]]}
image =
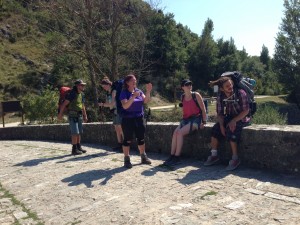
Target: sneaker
{"points": [[168, 160], [175, 161], [145, 159], [80, 149], [211, 160], [233, 164], [127, 162]]}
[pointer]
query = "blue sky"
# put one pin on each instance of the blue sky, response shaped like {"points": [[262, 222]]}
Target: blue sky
{"points": [[251, 23]]}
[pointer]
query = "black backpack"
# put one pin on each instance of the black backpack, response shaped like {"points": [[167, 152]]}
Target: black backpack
{"points": [[118, 86], [247, 84]]}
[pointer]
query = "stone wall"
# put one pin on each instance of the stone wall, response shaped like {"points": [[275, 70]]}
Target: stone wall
{"points": [[262, 146]]}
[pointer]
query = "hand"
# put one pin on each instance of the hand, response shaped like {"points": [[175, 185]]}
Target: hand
{"points": [[85, 119], [136, 94], [100, 104], [223, 130], [232, 125], [59, 117], [202, 125], [149, 87]]}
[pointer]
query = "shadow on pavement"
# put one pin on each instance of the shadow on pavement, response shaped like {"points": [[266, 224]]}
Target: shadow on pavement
{"points": [[88, 177], [35, 162], [215, 172]]}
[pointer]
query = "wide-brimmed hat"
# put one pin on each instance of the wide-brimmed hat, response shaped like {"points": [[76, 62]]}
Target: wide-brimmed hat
{"points": [[79, 82], [186, 82]]}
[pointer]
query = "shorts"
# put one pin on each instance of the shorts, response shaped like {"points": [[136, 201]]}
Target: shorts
{"points": [[117, 119], [194, 121], [131, 126], [230, 136], [76, 125]]}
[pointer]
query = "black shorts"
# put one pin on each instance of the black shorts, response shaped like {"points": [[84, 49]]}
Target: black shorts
{"points": [[132, 126], [230, 136]]}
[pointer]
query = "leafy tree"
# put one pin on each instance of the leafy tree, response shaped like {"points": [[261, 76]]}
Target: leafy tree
{"points": [[203, 59], [287, 50], [227, 57], [265, 58]]}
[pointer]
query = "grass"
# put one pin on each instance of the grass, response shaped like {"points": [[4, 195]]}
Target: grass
{"points": [[208, 193], [31, 215]]}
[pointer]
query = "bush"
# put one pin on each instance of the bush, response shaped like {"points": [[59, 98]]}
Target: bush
{"points": [[174, 115], [41, 108], [267, 114]]}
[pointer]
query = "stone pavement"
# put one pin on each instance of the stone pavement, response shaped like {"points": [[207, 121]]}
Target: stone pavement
{"points": [[41, 183]]}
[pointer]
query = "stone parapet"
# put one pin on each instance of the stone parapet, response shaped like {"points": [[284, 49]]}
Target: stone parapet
{"points": [[262, 146]]}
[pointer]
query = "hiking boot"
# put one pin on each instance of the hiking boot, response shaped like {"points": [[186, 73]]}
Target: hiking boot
{"points": [[127, 162], [233, 164], [175, 161], [75, 151], [168, 160], [145, 159], [80, 149], [211, 160]]}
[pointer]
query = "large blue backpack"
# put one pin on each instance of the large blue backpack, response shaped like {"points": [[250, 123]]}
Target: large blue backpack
{"points": [[118, 86]]}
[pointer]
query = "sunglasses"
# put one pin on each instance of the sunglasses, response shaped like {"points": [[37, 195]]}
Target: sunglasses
{"points": [[188, 84]]}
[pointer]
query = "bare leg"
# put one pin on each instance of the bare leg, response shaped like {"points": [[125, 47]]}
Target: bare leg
{"points": [[214, 143], [141, 148], [119, 133], [126, 150], [234, 148], [178, 139], [75, 139]]}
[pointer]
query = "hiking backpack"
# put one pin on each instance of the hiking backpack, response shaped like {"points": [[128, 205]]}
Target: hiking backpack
{"points": [[118, 86], [247, 84], [195, 100], [63, 92]]}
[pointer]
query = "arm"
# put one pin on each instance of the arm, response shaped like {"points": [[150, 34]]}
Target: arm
{"points": [[62, 109], [111, 104], [85, 119], [147, 97], [202, 106], [245, 110], [126, 103]]}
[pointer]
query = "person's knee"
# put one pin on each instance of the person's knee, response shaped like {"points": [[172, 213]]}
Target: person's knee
{"points": [[140, 141], [126, 143]]}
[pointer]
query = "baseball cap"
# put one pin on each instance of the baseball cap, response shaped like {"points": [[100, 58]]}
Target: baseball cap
{"points": [[186, 82], [79, 82]]}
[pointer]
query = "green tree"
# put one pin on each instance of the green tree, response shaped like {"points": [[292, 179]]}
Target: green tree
{"points": [[265, 58], [227, 57], [203, 59], [287, 50]]}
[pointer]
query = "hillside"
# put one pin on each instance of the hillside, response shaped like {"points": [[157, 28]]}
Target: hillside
{"points": [[22, 53]]}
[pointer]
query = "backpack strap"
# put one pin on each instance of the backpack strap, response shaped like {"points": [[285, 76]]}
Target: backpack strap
{"points": [[195, 100]]}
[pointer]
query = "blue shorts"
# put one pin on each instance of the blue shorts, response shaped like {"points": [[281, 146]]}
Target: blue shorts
{"points": [[117, 120], [76, 125], [194, 121]]}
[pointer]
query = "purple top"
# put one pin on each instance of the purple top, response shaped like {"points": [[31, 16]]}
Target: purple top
{"points": [[136, 109], [233, 105]]}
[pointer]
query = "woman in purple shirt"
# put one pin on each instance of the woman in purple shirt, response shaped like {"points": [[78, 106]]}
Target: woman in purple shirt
{"points": [[132, 100]]}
